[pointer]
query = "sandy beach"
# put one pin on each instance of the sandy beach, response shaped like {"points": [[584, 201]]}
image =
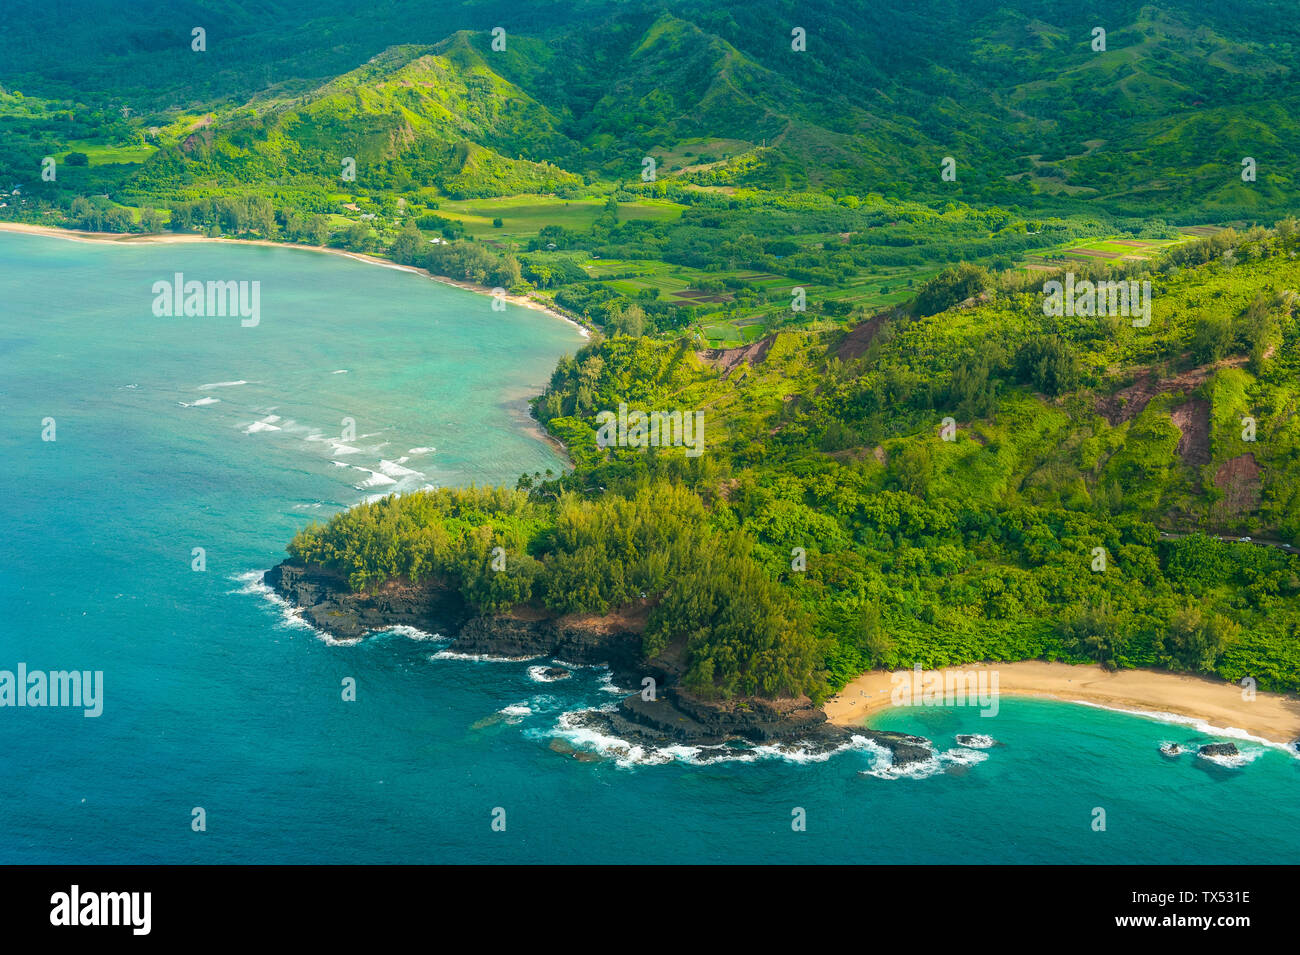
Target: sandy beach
{"points": [[169, 239], [1270, 716]]}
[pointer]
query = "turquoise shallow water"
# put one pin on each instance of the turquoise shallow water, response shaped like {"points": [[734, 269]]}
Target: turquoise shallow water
{"points": [[213, 699]]}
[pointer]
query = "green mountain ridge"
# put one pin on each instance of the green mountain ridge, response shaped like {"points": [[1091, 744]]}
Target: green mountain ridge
{"points": [[439, 112], [1031, 114]]}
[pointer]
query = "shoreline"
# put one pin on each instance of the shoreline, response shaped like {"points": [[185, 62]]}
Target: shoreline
{"points": [[167, 238], [1154, 694]]}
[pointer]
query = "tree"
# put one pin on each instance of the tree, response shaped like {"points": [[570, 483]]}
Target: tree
{"points": [[1212, 338], [951, 286], [972, 390], [357, 237], [182, 217], [318, 230], [118, 219], [409, 246], [81, 210], [1049, 363], [1261, 327], [628, 321], [915, 468], [870, 635], [507, 273], [1195, 640], [1094, 631], [261, 216]]}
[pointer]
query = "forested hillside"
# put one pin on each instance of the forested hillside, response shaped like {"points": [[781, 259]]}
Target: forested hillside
{"points": [[832, 525]]}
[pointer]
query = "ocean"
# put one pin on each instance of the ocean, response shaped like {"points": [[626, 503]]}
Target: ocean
{"points": [[173, 434]]}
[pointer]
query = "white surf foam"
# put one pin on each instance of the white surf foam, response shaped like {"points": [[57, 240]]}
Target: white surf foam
{"points": [[394, 469], [538, 675], [574, 727], [477, 657], [223, 384], [515, 712], [964, 757], [290, 616], [411, 633], [1243, 758], [800, 753], [607, 685], [337, 447], [882, 763], [623, 753], [266, 424], [1200, 725], [376, 479]]}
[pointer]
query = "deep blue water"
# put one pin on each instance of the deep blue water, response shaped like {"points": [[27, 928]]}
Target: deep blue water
{"points": [[213, 699]]}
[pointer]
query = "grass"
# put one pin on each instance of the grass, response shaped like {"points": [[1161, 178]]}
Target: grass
{"points": [[524, 216], [688, 155], [1112, 248], [103, 155], [729, 323]]}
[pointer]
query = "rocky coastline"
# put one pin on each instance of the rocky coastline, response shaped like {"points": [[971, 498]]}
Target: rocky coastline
{"points": [[673, 717]]}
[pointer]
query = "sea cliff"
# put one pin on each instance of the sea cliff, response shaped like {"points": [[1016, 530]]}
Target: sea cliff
{"points": [[672, 717]]}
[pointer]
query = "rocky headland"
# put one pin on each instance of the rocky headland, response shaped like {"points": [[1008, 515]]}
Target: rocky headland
{"points": [[673, 717]]}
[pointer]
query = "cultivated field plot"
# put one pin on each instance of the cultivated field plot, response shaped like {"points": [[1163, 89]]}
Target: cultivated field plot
{"points": [[737, 319], [101, 155], [1112, 249], [525, 216]]}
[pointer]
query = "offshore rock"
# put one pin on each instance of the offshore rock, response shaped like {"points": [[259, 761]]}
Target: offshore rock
{"points": [[1218, 749]]}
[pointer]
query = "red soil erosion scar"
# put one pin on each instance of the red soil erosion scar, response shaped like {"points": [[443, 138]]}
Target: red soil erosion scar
{"points": [[727, 360]]}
